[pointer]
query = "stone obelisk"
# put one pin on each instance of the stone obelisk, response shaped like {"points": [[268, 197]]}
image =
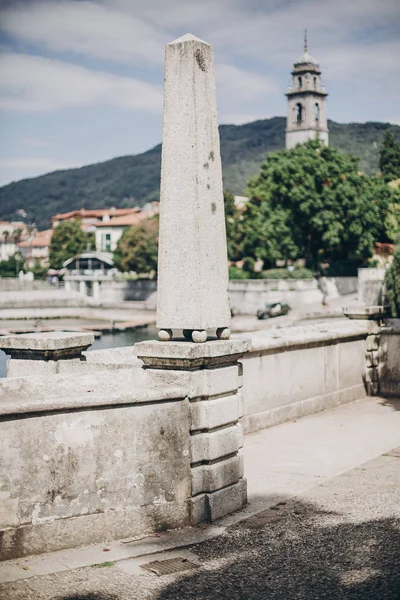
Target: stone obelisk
{"points": [[192, 260]]}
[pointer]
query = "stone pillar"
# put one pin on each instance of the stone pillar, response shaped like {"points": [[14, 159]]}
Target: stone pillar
{"points": [[96, 290], [192, 262], [375, 352], [82, 288], [211, 374], [38, 354]]}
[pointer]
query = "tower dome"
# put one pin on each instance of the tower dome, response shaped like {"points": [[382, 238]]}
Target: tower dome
{"points": [[305, 58]]}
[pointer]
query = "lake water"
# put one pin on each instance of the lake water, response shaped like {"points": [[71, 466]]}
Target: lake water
{"points": [[107, 340]]}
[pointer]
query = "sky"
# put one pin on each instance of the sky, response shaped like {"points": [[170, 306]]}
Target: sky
{"points": [[82, 81]]}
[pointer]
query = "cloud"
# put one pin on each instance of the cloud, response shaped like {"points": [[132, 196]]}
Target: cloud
{"points": [[39, 164], [85, 28], [242, 85], [34, 83], [270, 32], [35, 142]]}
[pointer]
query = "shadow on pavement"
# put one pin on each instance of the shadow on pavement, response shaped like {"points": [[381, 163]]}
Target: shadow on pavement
{"points": [[90, 596], [296, 551], [391, 401]]}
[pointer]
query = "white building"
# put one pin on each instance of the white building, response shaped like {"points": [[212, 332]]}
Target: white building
{"points": [[11, 233], [109, 232], [306, 117]]}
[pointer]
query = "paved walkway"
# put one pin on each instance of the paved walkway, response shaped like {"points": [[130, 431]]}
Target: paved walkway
{"points": [[322, 522]]}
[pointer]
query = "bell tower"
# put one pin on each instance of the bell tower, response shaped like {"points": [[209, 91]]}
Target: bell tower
{"points": [[306, 96]]}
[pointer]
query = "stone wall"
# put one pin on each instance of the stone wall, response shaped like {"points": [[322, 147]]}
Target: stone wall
{"points": [[110, 448], [292, 372], [96, 447], [389, 358], [246, 296], [14, 284], [90, 457], [249, 295], [371, 286]]}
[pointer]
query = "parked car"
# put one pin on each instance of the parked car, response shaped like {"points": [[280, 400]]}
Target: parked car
{"points": [[274, 309]]}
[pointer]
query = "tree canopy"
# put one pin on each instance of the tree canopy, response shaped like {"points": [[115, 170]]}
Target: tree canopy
{"points": [[312, 202], [137, 249], [392, 280], [389, 158], [11, 266], [234, 228], [68, 240]]}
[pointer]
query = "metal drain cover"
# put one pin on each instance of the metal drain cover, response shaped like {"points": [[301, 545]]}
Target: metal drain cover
{"points": [[171, 565]]}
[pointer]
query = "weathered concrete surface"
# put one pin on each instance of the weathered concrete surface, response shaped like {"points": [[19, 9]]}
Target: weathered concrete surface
{"points": [[189, 355], [339, 540], [388, 358], [47, 341], [292, 372], [93, 475], [91, 389], [39, 354], [192, 267], [212, 376]]}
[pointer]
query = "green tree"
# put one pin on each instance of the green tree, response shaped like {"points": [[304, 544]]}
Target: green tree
{"points": [[68, 240], [38, 271], [137, 249], [392, 220], [234, 228], [312, 202], [389, 158], [392, 280], [17, 234], [12, 266]]}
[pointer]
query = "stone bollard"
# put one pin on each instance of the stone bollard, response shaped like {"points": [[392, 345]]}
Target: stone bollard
{"points": [[212, 375], [192, 259], [38, 354]]}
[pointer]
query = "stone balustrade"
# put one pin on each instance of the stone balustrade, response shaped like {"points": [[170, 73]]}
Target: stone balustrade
{"points": [[291, 372]]}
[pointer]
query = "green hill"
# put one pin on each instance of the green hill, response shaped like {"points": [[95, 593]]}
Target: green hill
{"points": [[134, 180]]}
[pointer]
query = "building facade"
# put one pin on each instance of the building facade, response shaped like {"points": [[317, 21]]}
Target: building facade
{"points": [[35, 249], [306, 96], [11, 234], [110, 231]]}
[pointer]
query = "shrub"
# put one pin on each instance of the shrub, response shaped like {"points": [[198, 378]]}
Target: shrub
{"points": [[236, 273], [38, 271], [301, 273], [11, 266], [345, 268], [297, 273], [275, 274], [392, 280]]}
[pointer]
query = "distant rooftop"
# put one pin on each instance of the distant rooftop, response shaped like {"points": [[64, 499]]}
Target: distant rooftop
{"points": [[41, 240], [95, 213], [129, 219]]}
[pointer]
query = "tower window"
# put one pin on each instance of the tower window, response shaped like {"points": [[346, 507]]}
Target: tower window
{"points": [[299, 113], [300, 82], [316, 111], [315, 82]]}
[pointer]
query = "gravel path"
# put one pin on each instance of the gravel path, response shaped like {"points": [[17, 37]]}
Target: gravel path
{"points": [[338, 541]]}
